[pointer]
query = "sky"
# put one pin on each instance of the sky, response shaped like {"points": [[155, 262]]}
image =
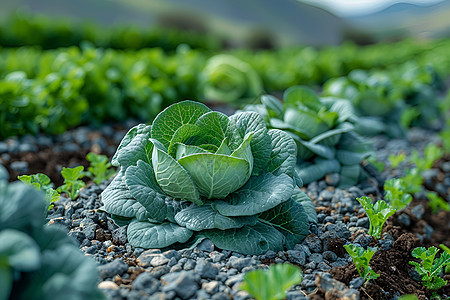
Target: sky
{"points": [[362, 7]]}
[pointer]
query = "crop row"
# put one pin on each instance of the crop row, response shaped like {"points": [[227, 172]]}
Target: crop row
{"points": [[52, 90]]}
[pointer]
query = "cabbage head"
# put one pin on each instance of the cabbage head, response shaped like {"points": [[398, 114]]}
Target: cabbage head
{"points": [[323, 131], [196, 173], [228, 79]]}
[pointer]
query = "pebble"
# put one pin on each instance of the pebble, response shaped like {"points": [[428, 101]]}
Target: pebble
{"points": [[363, 222], [296, 257], [182, 283], [356, 283], [116, 267], [314, 243], [147, 283], [19, 166], [332, 179], [206, 269], [239, 263], [111, 285]]}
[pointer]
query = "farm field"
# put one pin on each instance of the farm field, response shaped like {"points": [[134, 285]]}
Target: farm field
{"points": [[159, 163]]}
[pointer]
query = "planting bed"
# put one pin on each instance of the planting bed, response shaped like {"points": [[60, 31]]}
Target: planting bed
{"points": [[206, 272]]}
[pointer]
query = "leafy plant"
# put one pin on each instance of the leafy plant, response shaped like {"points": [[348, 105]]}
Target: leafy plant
{"points": [[396, 160], [446, 249], [42, 182], [100, 169], [272, 284], [321, 128], [196, 172], [412, 181], [39, 261], [379, 165], [395, 193], [228, 79], [431, 154], [429, 267], [361, 258], [72, 183], [378, 214], [436, 203]]}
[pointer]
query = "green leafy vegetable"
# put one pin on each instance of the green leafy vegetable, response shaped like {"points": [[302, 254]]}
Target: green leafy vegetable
{"points": [[72, 182], [396, 160], [361, 258], [100, 169], [322, 130], [430, 267], [395, 193], [42, 182], [431, 154], [436, 203], [196, 172], [379, 165], [378, 214], [273, 283]]}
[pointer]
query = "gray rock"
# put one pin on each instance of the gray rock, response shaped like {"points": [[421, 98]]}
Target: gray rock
{"points": [[323, 266], [116, 267], [211, 287], [70, 147], [119, 235], [239, 263], [386, 242], [189, 265], [3, 147], [332, 179], [27, 147], [329, 255], [217, 256], [325, 195], [363, 239], [404, 219], [159, 271], [206, 269], [418, 211], [220, 296], [206, 245], [314, 243], [147, 283], [89, 231], [308, 283], [363, 222], [20, 166], [234, 279], [295, 295], [182, 283], [339, 229], [316, 257], [356, 283], [297, 257], [329, 219]]}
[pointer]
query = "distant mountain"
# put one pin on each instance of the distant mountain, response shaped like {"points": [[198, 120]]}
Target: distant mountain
{"points": [[286, 22], [429, 21]]}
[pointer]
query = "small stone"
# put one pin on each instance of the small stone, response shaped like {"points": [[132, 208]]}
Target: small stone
{"points": [[329, 219], [159, 260], [314, 243], [3, 147], [295, 295], [116, 267], [189, 265], [234, 279], [27, 147], [332, 179], [418, 211], [146, 282], [89, 231], [20, 166], [182, 283], [119, 235], [297, 257], [239, 263], [363, 239], [211, 287], [325, 195], [217, 256], [157, 272], [206, 269], [323, 266], [111, 285], [206, 245], [329, 255], [316, 257], [404, 219], [363, 222], [356, 283]]}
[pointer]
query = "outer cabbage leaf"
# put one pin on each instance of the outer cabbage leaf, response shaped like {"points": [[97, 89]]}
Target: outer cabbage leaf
{"points": [[310, 172], [284, 153]]}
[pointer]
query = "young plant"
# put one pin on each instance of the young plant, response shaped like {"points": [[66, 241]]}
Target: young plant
{"points": [[361, 258], [100, 169], [396, 160], [429, 267], [446, 249], [378, 214], [273, 283], [379, 165], [436, 203], [42, 182], [395, 193], [72, 182], [412, 181], [196, 172], [431, 154]]}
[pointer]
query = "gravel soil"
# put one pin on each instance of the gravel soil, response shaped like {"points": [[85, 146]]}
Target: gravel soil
{"points": [[206, 272]]}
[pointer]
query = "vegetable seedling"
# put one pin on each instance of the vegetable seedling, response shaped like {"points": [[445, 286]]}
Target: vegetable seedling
{"points": [[361, 258], [379, 165], [395, 193], [446, 249], [436, 203], [42, 182], [72, 182], [100, 169], [273, 283], [377, 214], [431, 154], [429, 267], [396, 160]]}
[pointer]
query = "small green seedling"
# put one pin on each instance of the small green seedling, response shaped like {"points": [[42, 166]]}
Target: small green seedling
{"points": [[361, 258], [446, 249], [378, 214], [396, 160], [72, 182], [273, 283], [408, 297], [430, 268], [42, 182], [431, 154], [395, 193], [379, 165], [412, 181], [436, 203], [100, 169]]}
